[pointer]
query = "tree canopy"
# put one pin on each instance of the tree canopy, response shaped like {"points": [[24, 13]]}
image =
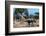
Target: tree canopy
{"points": [[37, 15], [19, 10]]}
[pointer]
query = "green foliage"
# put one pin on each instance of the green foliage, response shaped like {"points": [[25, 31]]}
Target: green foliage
{"points": [[37, 13], [19, 10]]}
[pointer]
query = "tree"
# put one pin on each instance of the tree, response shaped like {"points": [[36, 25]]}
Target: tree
{"points": [[26, 12], [19, 10], [36, 15]]}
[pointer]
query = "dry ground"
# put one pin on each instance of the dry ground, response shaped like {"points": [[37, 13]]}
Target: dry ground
{"points": [[25, 24]]}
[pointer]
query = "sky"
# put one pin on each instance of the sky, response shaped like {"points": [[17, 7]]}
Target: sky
{"points": [[32, 10]]}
